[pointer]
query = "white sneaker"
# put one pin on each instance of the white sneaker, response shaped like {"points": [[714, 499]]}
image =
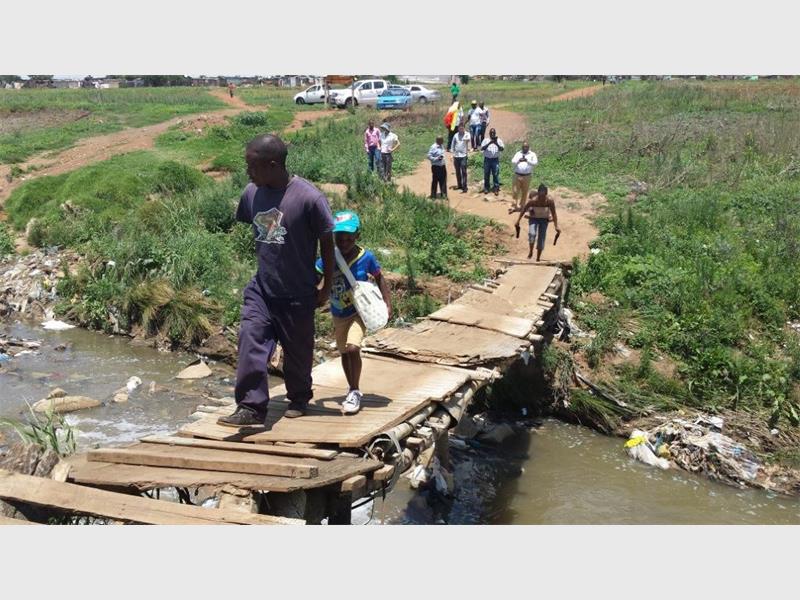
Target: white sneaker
{"points": [[352, 403]]}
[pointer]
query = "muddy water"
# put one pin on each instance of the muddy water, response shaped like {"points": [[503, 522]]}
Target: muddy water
{"points": [[97, 365], [553, 474], [566, 474]]}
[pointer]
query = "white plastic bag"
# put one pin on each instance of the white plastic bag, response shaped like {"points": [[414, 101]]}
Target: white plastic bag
{"points": [[366, 298]]}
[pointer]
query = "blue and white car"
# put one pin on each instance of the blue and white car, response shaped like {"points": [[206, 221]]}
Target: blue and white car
{"points": [[394, 96]]}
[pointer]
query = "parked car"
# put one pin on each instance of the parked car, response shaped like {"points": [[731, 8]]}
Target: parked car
{"points": [[420, 94], [394, 96], [364, 92], [313, 95]]}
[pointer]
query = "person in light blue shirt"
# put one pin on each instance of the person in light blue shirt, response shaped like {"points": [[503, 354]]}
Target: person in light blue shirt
{"points": [[348, 327], [438, 170]]}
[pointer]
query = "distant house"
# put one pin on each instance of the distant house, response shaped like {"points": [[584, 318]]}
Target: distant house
{"points": [[106, 84], [71, 84], [138, 82], [38, 83], [204, 81]]}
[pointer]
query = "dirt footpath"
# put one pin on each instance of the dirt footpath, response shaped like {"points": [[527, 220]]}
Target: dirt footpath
{"points": [[574, 210]]}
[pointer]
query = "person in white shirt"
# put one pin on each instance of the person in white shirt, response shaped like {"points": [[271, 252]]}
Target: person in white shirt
{"points": [[438, 170], [491, 161], [474, 118], [389, 143], [459, 148], [523, 161]]}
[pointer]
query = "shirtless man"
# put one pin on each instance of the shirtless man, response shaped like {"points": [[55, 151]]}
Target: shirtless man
{"points": [[539, 208]]}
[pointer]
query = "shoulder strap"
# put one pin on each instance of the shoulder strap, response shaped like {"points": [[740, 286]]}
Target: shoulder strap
{"points": [[344, 268]]}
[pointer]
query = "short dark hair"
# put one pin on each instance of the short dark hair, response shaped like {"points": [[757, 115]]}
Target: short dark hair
{"points": [[542, 188], [269, 147]]}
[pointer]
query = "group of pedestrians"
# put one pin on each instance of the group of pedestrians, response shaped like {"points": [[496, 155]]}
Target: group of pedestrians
{"points": [[291, 219], [380, 145]]}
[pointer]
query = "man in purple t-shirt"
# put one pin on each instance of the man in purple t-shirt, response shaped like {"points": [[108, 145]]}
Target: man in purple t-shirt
{"points": [[289, 215]]}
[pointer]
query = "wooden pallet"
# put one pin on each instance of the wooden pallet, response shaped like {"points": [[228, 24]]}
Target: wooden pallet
{"points": [[78, 499]]}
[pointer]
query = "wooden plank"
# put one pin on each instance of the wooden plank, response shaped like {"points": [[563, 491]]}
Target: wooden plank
{"points": [[260, 449], [120, 507], [393, 389], [156, 455], [384, 473], [446, 343], [354, 484], [474, 316], [137, 478]]}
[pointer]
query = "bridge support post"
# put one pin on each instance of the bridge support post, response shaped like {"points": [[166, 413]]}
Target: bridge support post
{"points": [[339, 508]]}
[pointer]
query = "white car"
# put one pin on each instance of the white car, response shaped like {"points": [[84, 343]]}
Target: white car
{"points": [[364, 92], [313, 95], [420, 94]]}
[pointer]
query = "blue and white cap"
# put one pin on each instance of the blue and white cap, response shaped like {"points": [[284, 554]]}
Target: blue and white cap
{"points": [[346, 221]]}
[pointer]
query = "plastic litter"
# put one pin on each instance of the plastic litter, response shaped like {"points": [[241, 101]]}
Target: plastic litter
{"points": [[133, 383], [640, 448], [54, 325]]}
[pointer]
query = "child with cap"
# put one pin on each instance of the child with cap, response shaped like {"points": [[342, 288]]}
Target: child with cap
{"points": [[348, 328]]}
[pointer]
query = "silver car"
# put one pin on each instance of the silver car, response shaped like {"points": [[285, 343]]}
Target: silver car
{"points": [[422, 95]]}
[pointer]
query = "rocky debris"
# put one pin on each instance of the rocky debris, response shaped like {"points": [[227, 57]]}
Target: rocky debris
{"points": [[28, 283], [11, 347], [63, 347], [120, 396], [496, 434], [56, 393], [65, 404], [220, 346], [197, 370]]}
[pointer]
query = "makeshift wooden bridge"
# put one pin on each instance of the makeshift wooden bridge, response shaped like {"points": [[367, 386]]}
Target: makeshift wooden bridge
{"points": [[417, 382]]}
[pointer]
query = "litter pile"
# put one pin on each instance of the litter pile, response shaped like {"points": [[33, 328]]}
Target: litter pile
{"points": [[699, 446], [28, 283], [12, 347]]}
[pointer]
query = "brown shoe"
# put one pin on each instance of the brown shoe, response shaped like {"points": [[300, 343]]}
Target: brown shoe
{"points": [[295, 410], [241, 417]]}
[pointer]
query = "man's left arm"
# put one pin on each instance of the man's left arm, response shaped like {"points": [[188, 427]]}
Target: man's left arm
{"points": [[328, 260], [322, 226], [555, 216]]}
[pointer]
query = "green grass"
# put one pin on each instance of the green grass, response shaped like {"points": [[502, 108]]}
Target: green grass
{"points": [[221, 147], [708, 260], [165, 254], [276, 98], [89, 112], [6, 241], [333, 151]]}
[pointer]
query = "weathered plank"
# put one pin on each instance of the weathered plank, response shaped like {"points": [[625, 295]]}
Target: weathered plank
{"points": [[157, 455], [447, 343], [120, 507], [259, 449], [393, 389], [474, 316], [119, 476]]}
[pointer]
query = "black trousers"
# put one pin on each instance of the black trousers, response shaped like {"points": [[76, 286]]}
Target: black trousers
{"points": [[439, 173], [461, 172]]}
